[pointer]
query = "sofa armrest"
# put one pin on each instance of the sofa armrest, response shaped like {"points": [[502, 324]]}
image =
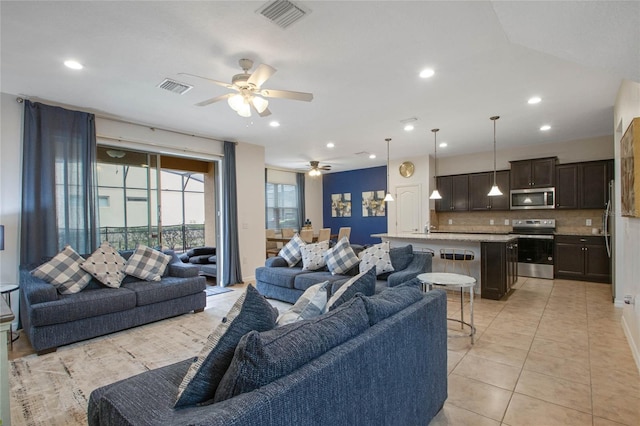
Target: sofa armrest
{"points": [[183, 270], [35, 290], [421, 263], [276, 262]]}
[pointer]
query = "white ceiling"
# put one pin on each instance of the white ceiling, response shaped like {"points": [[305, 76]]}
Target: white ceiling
{"points": [[360, 59]]}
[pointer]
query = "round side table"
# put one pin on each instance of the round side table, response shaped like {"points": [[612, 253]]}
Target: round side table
{"points": [[450, 280], [5, 291]]}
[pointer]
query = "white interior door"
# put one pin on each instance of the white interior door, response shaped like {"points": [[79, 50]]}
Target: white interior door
{"points": [[408, 207]]}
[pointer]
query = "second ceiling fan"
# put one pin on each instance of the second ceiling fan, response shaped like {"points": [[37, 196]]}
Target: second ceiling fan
{"points": [[250, 94]]}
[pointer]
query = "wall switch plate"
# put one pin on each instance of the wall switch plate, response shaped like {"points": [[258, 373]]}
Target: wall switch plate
{"points": [[491, 222], [450, 221], [506, 222], [588, 222]]}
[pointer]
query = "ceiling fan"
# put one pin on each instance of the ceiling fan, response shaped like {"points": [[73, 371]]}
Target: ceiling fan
{"points": [[250, 94], [316, 168]]}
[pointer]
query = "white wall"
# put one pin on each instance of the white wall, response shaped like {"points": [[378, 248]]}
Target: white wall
{"points": [[627, 230], [251, 202], [313, 200], [10, 190]]}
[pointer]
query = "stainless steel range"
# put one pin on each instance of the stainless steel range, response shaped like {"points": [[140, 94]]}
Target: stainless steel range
{"points": [[535, 246]]}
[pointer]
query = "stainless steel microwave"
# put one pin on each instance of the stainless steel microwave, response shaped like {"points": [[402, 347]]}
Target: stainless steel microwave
{"points": [[534, 198]]}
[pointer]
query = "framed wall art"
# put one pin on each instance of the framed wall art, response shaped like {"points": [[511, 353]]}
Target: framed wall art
{"points": [[341, 205], [373, 204]]}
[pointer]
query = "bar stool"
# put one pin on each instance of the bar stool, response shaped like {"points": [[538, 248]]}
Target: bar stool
{"points": [[453, 258]]}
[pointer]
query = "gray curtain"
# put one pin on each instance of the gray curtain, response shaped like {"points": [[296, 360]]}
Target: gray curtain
{"points": [[231, 273], [58, 182], [301, 211]]}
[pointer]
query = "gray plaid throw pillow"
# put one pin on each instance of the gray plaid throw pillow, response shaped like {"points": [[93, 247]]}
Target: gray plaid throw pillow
{"points": [[291, 251], [106, 265], [310, 305], [147, 264], [341, 257], [64, 272]]}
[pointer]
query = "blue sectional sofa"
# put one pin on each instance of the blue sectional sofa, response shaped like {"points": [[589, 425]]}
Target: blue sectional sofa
{"points": [[50, 319], [393, 372], [277, 280]]}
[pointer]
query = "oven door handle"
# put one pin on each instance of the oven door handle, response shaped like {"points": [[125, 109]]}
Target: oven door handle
{"points": [[537, 237]]}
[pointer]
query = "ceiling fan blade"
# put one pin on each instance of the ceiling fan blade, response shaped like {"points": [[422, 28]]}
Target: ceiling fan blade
{"points": [[287, 94], [325, 167], [264, 113], [261, 74], [212, 100], [219, 83]]}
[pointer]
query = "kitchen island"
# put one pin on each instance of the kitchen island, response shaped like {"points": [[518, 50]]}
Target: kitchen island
{"points": [[495, 263]]}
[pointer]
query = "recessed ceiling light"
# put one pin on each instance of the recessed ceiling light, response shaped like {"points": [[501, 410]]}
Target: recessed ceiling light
{"points": [[408, 127], [74, 65], [331, 145], [534, 100], [372, 156], [545, 127], [274, 124], [426, 73], [443, 145]]}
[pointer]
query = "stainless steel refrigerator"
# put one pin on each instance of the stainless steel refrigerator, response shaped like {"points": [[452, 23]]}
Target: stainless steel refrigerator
{"points": [[608, 226]]}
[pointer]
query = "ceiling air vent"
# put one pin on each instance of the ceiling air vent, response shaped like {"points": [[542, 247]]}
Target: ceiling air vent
{"points": [[174, 86], [283, 12]]}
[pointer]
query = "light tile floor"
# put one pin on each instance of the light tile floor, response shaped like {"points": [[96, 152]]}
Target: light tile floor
{"points": [[553, 353]]}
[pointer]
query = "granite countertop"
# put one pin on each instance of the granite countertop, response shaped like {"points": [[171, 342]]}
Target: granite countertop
{"points": [[450, 236]]}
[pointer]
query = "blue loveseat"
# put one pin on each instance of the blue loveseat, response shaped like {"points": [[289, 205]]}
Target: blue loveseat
{"points": [[393, 372], [277, 280], [50, 319]]}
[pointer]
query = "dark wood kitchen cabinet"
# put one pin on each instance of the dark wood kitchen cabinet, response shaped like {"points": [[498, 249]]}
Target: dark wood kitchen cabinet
{"points": [[583, 185], [479, 186], [498, 269], [455, 193], [536, 173], [582, 258]]}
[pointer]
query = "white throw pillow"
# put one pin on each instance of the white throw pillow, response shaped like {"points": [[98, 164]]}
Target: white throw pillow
{"points": [[291, 251], [310, 305], [106, 265], [378, 256], [313, 255]]}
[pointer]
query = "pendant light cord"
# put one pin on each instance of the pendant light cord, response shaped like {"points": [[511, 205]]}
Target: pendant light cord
{"points": [[494, 118]]}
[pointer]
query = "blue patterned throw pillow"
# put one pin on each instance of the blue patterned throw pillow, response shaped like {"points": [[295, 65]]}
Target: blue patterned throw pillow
{"points": [[341, 257], [250, 312]]}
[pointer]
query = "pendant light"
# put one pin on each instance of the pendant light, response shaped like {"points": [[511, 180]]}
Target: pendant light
{"points": [[388, 197], [495, 191], [435, 195]]}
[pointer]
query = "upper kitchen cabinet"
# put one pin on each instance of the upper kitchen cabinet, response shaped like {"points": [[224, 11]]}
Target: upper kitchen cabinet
{"points": [[537, 173], [455, 193], [583, 185], [479, 186]]}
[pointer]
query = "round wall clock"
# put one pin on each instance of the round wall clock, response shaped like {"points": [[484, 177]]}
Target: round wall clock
{"points": [[406, 169]]}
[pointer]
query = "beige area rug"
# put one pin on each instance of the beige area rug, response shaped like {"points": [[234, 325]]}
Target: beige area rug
{"points": [[54, 389]]}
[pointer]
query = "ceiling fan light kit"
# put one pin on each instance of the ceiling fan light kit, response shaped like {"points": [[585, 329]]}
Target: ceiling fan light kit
{"points": [[435, 195]]}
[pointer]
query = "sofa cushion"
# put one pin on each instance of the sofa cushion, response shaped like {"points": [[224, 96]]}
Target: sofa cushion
{"points": [[313, 255], [364, 283], [170, 288], [87, 304], [401, 257], [310, 305], [280, 277], [304, 281], [106, 265], [291, 251], [201, 259], [390, 301], [201, 251], [341, 257], [376, 256], [63, 271], [250, 312], [261, 358], [147, 264]]}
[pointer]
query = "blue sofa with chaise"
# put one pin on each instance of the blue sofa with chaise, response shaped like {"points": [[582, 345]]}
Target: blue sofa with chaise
{"points": [[277, 280], [391, 372]]}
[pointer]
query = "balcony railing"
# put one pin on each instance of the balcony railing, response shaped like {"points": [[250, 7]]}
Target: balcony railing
{"points": [[176, 237]]}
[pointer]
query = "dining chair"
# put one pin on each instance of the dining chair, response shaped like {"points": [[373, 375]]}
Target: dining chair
{"points": [[288, 232], [344, 231], [324, 234], [307, 235], [272, 246]]}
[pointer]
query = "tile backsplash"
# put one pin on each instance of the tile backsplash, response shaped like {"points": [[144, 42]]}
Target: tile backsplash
{"points": [[567, 221]]}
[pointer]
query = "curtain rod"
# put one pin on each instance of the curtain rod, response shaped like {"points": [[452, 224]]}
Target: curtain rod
{"points": [[120, 120]]}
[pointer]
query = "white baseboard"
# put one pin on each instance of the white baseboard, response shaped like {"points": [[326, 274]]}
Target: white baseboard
{"points": [[632, 343]]}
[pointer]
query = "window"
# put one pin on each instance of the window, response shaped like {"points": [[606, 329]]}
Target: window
{"points": [[282, 206], [104, 201]]}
